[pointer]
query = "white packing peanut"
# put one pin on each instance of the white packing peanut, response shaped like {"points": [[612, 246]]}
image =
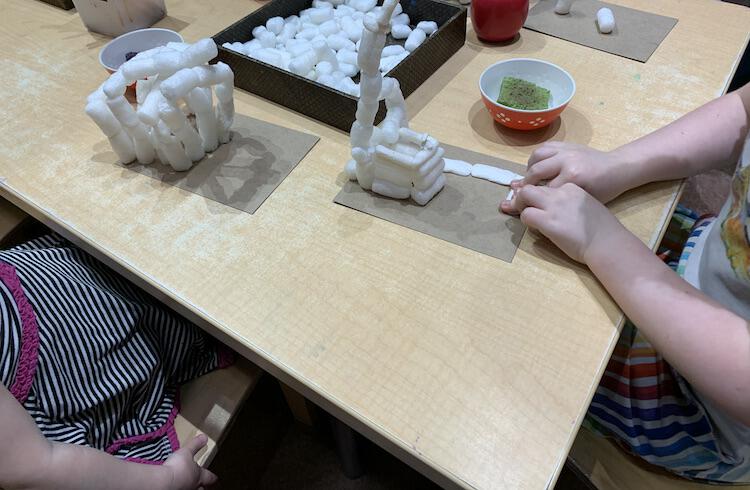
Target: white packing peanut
{"points": [[347, 56], [253, 44], [338, 42], [320, 15], [400, 31], [275, 25], [324, 68], [392, 50], [327, 80], [304, 63], [353, 32], [292, 20], [324, 53], [363, 5], [102, 116], [287, 33], [428, 26], [458, 167], [347, 85], [257, 31], [308, 33], [343, 11], [402, 19], [415, 39], [367, 111], [238, 47], [605, 19], [286, 58], [348, 70], [562, 7], [389, 63], [494, 174], [270, 56], [267, 39], [298, 49], [329, 27], [294, 42]]}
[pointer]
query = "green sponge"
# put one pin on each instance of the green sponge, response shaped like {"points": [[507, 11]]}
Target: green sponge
{"points": [[520, 94]]}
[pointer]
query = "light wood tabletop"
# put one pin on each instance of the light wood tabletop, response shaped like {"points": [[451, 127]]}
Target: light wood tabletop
{"points": [[475, 371]]}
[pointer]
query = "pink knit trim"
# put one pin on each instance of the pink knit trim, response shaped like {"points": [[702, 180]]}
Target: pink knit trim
{"points": [[226, 358], [27, 362], [166, 429], [174, 441]]}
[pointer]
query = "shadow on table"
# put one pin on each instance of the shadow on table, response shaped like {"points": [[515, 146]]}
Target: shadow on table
{"points": [[572, 126], [521, 45]]}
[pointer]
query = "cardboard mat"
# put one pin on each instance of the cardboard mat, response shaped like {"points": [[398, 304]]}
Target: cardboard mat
{"points": [[637, 34], [245, 171], [465, 212]]}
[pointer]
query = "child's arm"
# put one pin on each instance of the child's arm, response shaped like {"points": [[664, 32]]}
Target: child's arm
{"points": [[709, 137], [29, 461], [707, 344]]}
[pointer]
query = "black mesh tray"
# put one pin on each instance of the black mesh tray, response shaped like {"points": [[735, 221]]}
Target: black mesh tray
{"points": [[326, 104]]}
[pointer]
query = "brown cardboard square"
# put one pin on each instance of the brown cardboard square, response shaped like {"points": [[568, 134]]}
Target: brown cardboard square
{"points": [[637, 34], [245, 171], [465, 212]]}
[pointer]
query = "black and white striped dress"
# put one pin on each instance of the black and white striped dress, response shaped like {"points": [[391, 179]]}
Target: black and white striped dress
{"points": [[94, 360]]}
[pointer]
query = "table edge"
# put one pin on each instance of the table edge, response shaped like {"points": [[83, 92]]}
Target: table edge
{"points": [[374, 432]]}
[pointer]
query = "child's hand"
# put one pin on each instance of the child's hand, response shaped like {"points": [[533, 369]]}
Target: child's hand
{"points": [[185, 473], [599, 173], [576, 222]]}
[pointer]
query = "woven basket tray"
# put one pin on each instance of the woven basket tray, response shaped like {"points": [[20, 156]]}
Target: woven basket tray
{"points": [[324, 103]]}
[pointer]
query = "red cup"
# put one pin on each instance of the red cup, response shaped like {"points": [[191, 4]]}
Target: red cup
{"points": [[498, 20]]}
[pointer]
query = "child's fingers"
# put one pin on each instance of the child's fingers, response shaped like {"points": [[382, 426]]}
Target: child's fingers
{"points": [[197, 443], [508, 207], [542, 153], [530, 196], [532, 217], [546, 170], [557, 181], [207, 478]]}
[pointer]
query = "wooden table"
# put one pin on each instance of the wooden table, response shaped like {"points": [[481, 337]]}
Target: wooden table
{"points": [[475, 371]]}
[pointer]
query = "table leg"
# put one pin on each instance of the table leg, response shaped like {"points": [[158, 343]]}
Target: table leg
{"points": [[348, 448]]}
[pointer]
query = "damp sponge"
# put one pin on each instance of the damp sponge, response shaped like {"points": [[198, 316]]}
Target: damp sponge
{"points": [[520, 94]]}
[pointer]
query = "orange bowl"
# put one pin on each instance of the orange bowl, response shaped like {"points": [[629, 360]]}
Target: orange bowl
{"points": [[561, 85]]}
